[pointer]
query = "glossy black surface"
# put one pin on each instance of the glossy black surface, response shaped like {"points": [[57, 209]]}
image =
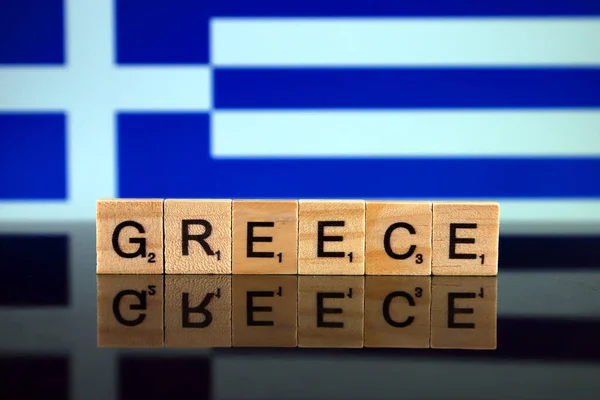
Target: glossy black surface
{"points": [[548, 330]]}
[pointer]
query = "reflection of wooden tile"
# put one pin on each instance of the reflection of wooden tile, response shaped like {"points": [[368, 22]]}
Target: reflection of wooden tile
{"points": [[265, 310], [130, 311], [465, 238], [330, 311], [129, 236], [331, 237], [463, 312], [397, 311], [198, 311], [198, 236], [398, 238], [265, 237]]}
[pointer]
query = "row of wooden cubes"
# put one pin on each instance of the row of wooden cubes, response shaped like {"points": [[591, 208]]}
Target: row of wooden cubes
{"points": [[306, 237], [303, 311]]}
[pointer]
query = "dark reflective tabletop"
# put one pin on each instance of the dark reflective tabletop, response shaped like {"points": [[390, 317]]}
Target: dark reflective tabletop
{"points": [[536, 333]]}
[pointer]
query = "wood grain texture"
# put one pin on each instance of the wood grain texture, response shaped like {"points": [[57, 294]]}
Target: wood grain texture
{"points": [[277, 256], [464, 312], [341, 257], [265, 310], [398, 238], [397, 311], [208, 300], [330, 311], [465, 238], [127, 218], [211, 220], [132, 327]]}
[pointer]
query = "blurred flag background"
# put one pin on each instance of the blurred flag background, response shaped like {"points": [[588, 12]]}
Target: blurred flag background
{"points": [[300, 99]]}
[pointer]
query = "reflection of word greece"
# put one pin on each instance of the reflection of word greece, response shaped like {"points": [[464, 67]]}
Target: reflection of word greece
{"points": [[304, 237], [297, 311]]}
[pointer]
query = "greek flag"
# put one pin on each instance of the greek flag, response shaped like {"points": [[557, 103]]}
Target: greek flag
{"points": [[300, 99]]}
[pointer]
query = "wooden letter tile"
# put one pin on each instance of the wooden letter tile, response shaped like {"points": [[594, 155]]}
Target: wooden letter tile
{"points": [[397, 311], [398, 238], [198, 236], [265, 310], [465, 238], [198, 311], [463, 312], [130, 311], [129, 236], [330, 311], [265, 237], [331, 237]]}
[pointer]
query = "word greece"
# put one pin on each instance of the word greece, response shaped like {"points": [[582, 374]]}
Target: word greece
{"points": [[306, 237]]}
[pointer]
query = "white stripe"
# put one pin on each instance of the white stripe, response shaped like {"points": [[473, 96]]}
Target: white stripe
{"points": [[577, 216], [112, 88], [405, 133], [405, 41], [359, 376], [162, 88]]}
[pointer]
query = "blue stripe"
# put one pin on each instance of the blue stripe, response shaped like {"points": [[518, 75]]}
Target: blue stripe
{"points": [[405, 88], [556, 252], [147, 376], [177, 32], [37, 374], [326, 8], [32, 32], [159, 32], [167, 155], [35, 270], [33, 159]]}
